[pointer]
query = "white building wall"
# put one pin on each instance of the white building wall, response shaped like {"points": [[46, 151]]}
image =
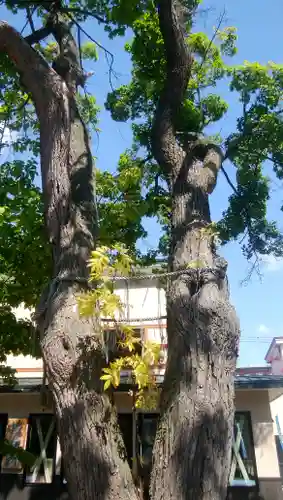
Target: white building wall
{"points": [[143, 300], [257, 403]]}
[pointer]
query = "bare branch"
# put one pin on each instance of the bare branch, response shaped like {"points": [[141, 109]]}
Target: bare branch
{"points": [[29, 17], [213, 37], [83, 12], [228, 180], [107, 52]]}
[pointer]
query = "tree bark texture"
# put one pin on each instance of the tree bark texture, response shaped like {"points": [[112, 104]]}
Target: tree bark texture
{"points": [[191, 456], [94, 456]]}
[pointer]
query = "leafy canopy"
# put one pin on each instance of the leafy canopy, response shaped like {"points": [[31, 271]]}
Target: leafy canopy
{"points": [[257, 138]]}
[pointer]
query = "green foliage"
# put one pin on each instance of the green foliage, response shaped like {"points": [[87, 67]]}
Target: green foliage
{"points": [[24, 249], [103, 303], [89, 110], [121, 203], [259, 137], [25, 457], [89, 51], [259, 134], [228, 39]]}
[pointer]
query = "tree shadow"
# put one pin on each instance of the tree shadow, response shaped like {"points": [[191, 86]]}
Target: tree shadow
{"points": [[204, 465], [12, 486], [197, 409]]}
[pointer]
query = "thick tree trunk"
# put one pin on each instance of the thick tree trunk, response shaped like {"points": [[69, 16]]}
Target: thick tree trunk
{"points": [[94, 456], [191, 456], [194, 440]]}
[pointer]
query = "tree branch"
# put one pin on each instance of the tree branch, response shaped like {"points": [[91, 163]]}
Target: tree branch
{"points": [[40, 80], [212, 163], [213, 38], [39, 35], [83, 12], [228, 180], [107, 52], [29, 17], [62, 9], [179, 61], [67, 64]]}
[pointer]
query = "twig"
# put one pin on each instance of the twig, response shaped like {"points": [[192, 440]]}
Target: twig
{"points": [[80, 47], [213, 38], [229, 180], [68, 10], [29, 17], [255, 266], [107, 52]]}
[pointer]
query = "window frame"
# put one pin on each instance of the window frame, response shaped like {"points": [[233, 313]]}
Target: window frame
{"points": [[248, 419], [5, 417], [39, 484]]}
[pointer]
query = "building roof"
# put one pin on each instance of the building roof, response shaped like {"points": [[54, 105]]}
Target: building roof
{"points": [[254, 370], [256, 381], [276, 340]]}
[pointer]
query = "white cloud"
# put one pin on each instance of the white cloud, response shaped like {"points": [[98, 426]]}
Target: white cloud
{"points": [[272, 263], [263, 329]]}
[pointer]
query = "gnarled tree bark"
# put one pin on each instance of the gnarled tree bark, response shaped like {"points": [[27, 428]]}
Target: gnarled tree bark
{"points": [[191, 457], [95, 463]]}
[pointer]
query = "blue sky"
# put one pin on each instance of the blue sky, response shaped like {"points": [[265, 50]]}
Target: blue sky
{"points": [[258, 302]]}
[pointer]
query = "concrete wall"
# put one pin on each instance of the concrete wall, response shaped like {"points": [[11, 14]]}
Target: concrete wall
{"points": [[257, 402]]}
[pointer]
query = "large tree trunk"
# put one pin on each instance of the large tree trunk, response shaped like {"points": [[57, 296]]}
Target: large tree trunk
{"points": [[194, 439], [191, 456], [94, 457]]}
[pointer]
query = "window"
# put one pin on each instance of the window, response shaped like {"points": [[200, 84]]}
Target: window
{"points": [[147, 431], [125, 421], [146, 437], [3, 424], [279, 454], [16, 435], [42, 440], [243, 468], [279, 444]]}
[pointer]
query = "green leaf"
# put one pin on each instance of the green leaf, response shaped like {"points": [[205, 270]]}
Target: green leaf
{"points": [[25, 457]]}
